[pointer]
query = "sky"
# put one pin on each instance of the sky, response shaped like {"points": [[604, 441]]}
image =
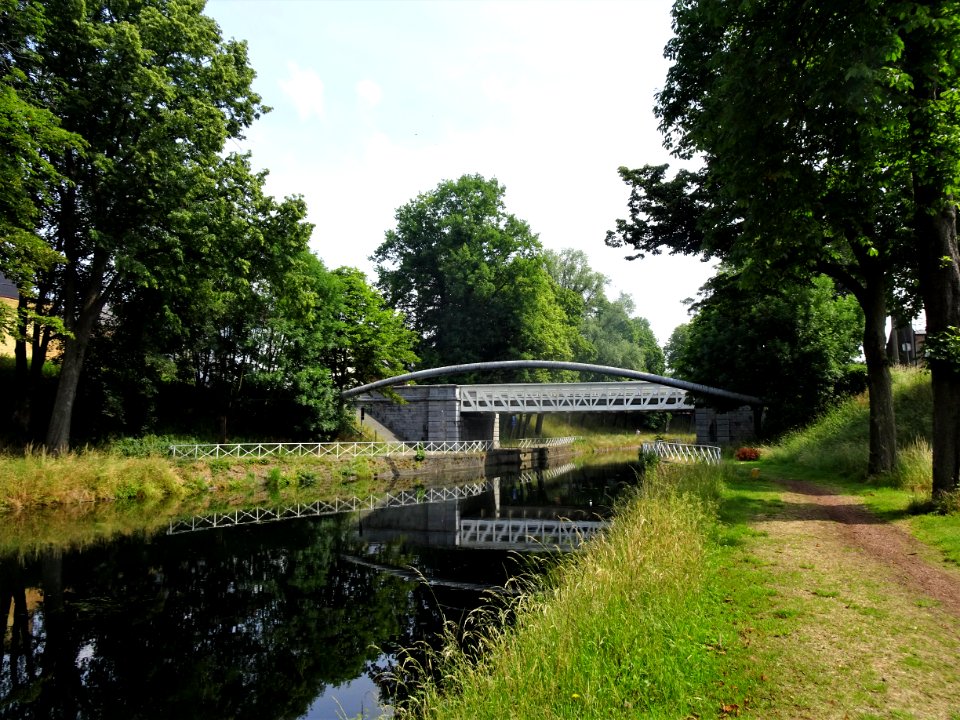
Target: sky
{"points": [[374, 103]]}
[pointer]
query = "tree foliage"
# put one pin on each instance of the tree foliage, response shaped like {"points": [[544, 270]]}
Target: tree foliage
{"points": [[135, 239], [367, 341], [607, 332], [676, 345], [470, 279], [615, 337], [790, 344], [154, 93], [836, 154], [29, 136]]}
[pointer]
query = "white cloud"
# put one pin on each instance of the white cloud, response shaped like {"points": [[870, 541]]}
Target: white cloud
{"points": [[305, 88], [369, 93]]}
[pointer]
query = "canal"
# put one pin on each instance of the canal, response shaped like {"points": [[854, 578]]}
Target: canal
{"points": [[294, 618]]}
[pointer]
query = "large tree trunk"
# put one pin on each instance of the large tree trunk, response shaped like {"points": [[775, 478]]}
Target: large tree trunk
{"points": [[940, 288], [61, 418], [75, 349], [883, 429], [22, 392]]}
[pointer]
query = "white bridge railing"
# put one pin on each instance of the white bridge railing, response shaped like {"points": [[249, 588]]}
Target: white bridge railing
{"points": [[334, 449], [572, 397], [251, 516], [679, 452]]}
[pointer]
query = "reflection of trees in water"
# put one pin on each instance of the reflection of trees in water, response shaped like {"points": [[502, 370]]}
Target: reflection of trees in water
{"points": [[249, 623], [463, 615], [17, 662]]}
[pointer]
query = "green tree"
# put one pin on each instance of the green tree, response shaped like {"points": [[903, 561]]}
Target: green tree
{"points": [[211, 319], [368, 341], [790, 344], [922, 133], [618, 339], [797, 182], [154, 92], [606, 332], [675, 347], [469, 278], [29, 135], [576, 280]]}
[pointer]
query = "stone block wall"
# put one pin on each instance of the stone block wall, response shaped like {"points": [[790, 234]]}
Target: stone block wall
{"points": [[430, 412], [728, 428]]}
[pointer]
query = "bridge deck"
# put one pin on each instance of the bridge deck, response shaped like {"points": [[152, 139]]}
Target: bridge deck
{"points": [[572, 397]]}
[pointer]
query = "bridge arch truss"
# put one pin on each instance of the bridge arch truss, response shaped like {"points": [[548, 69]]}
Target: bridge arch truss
{"points": [[572, 397]]}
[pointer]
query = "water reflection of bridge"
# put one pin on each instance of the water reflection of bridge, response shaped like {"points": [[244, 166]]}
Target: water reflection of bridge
{"points": [[529, 534], [443, 524]]}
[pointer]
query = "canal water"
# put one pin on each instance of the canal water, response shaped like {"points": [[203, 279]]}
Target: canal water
{"points": [[299, 618]]}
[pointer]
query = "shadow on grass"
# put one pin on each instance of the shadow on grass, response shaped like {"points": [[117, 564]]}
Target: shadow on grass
{"points": [[759, 499]]}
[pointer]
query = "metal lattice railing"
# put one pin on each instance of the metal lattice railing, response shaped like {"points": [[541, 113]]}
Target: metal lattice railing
{"points": [[572, 397], [527, 533], [334, 449], [541, 442], [680, 452], [251, 516]]}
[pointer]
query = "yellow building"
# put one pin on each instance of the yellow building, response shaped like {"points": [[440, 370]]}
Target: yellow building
{"points": [[8, 296]]}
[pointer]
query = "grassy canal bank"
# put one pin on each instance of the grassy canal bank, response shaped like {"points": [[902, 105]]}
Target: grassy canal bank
{"points": [[142, 470], [135, 486], [768, 589]]}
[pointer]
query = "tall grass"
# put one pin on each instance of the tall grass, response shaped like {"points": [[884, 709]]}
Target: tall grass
{"points": [[838, 442], [38, 478], [632, 627]]}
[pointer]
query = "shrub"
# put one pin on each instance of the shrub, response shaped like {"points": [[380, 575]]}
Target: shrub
{"points": [[646, 460], [306, 478], [276, 480], [747, 453], [949, 503]]}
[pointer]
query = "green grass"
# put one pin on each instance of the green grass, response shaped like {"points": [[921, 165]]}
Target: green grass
{"points": [[837, 444], [688, 608], [647, 623]]}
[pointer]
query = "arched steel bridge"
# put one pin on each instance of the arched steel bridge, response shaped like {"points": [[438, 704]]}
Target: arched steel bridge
{"points": [[681, 385]]}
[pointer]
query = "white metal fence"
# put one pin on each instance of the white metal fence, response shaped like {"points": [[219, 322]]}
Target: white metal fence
{"points": [[680, 452], [334, 449], [250, 516], [198, 451]]}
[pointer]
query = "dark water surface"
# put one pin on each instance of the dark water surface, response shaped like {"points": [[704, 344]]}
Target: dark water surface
{"points": [[295, 619]]}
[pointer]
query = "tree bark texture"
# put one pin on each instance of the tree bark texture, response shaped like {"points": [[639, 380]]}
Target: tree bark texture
{"points": [[75, 349], [940, 288], [883, 429], [61, 418]]}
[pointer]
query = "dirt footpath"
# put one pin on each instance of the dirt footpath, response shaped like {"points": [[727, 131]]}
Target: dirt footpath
{"points": [[909, 562], [871, 623]]}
